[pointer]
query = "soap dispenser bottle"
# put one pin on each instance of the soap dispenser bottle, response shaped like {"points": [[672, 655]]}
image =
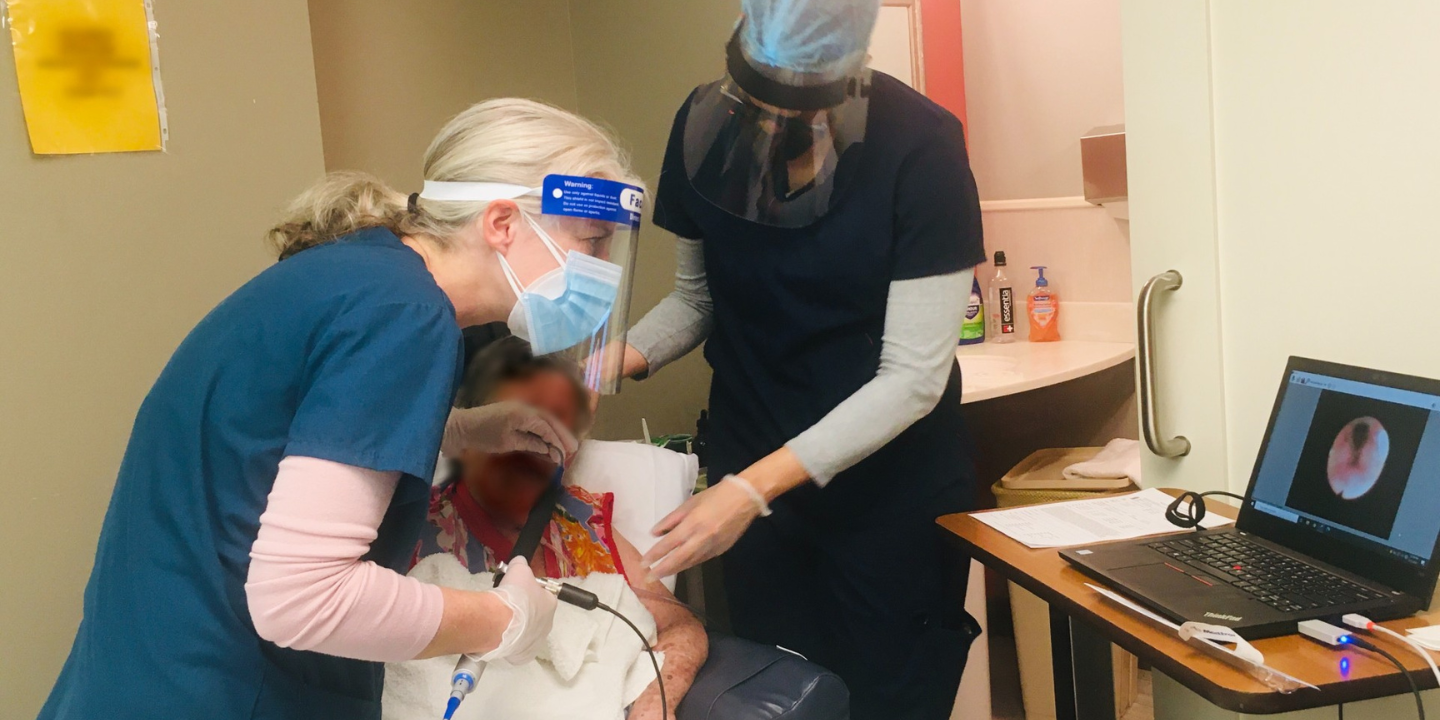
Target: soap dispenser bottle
{"points": [[1043, 306]]}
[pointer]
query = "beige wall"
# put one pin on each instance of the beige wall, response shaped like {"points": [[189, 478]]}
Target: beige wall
{"points": [[1085, 249], [637, 61], [1038, 74], [390, 74], [107, 262]]}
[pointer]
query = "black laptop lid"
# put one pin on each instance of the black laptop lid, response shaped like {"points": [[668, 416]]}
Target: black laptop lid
{"points": [[1349, 473]]}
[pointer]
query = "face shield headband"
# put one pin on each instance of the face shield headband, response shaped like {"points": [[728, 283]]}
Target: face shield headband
{"points": [[579, 309], [773, 146], [798, 92]]}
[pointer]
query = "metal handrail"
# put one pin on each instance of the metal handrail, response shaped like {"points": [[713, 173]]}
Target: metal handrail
{"points": [[1166, 447]]}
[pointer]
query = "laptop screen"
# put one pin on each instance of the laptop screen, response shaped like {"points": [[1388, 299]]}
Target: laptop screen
{"points": [[1355, 461]]}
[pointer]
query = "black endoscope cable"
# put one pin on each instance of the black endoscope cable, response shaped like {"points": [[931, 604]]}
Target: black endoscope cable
{"points": [[527, 543], [1364, 644], [660, 681], [1188, 510], [586, 600]]}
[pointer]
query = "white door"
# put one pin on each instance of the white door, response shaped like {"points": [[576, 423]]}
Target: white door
{"points": [[1284, 157], [1171, 157]]}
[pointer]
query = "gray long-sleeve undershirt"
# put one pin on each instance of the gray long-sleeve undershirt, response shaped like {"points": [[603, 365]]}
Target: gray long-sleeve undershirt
{"points": [[683, 319], [922, 328]]}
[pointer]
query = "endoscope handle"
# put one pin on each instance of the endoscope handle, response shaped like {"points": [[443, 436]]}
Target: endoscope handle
{"points": [[570, 594], [565, 592]]}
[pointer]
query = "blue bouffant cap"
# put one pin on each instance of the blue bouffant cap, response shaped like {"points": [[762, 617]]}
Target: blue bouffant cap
{"points": [[825, 38]]}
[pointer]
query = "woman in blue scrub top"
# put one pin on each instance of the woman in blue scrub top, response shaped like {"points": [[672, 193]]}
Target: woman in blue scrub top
{"points": [[828, 229], [347, 351]]}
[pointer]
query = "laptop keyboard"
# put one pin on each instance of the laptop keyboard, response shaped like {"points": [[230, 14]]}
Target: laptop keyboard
{"points": [[1283, 583]]}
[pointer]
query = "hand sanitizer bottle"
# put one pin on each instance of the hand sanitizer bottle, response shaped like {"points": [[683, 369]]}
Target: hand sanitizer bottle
{"points": [[1001, 303], [1044, 308]]}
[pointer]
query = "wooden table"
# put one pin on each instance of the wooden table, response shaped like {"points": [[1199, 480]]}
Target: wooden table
{"points": [[1083, 625]]}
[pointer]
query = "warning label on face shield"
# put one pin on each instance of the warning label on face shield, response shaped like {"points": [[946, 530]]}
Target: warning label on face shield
{"points": [[585, 197]]}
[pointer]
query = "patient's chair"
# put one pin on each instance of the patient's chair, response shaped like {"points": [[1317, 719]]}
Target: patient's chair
{"points": [[741, 680]]}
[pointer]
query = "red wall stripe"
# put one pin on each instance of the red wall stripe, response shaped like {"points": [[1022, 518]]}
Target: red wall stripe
{"points": [[944, 57]]}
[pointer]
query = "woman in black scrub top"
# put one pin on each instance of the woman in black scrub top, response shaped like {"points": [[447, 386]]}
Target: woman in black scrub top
{"points": [[828, 228]]}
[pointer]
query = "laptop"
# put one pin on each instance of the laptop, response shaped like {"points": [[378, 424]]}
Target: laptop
{"points": [[1342, 514]]}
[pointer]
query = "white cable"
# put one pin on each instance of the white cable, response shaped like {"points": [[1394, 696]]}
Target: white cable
{"points": [[1421, 651], [1363, 623]]}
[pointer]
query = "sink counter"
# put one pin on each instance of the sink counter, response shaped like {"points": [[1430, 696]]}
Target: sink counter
{"points": [[994, 370]]}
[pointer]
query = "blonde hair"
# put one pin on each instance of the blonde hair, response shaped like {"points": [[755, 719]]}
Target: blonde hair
{"points": [[507, 140]]}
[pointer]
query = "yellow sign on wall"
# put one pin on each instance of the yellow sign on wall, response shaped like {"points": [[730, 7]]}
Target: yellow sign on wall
{"points": [[89, 81]]}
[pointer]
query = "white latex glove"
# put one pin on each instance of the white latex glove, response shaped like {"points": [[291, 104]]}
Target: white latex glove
{"points": [[533, 609], [506, 427], [707, 525]]}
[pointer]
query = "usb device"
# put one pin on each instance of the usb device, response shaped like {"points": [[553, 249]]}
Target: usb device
{"points": [[1338, 637], [1359, 622], [1325, 633]]}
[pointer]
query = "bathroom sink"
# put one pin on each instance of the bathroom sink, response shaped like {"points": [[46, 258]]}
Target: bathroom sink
{"points": [[981, 371], [992, 371]]}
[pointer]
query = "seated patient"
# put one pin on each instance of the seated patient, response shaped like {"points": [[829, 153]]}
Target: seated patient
{"points": [[476, 514]]}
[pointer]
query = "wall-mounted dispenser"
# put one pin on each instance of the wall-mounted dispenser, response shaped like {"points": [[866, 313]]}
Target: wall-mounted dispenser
{"points": [[1102, 160]]}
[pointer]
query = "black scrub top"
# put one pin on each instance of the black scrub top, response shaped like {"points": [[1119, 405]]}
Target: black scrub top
{"points": [[799, 312]]}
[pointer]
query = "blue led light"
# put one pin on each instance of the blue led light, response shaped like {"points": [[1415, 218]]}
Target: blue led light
{"points": [[1345, 667], [1344, 640]]}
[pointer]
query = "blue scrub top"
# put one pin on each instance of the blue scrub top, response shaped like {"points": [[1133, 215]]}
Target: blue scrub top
{"points": [[347, 352]]}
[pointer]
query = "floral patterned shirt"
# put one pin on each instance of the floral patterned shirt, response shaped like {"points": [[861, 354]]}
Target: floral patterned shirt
{"points": [[578, 541]]}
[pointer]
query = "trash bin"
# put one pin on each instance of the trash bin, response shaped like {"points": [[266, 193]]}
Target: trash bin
{"points": [[1031, 614]]}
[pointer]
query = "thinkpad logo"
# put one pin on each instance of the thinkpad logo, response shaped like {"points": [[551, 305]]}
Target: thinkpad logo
{"points": [[1219, 616]]}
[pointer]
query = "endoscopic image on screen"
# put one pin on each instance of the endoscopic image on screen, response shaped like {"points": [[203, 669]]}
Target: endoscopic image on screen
{"points": [[1356, 461]]}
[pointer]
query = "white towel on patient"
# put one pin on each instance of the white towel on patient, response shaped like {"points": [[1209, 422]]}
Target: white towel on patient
{"points": [[593, 666]]}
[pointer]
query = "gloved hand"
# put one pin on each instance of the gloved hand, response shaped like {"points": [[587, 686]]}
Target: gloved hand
{"points": [[707, 525], [533, 609], [506, 427]]}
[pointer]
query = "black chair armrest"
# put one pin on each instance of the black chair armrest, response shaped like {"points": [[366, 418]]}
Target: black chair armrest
{"points": [[743, 680]]}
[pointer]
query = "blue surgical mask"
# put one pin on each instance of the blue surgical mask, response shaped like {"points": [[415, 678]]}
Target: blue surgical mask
{"points": [[567, 305]]}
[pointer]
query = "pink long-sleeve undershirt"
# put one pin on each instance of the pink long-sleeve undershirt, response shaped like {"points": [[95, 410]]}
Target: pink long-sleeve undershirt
{"points": [[308, 588]]}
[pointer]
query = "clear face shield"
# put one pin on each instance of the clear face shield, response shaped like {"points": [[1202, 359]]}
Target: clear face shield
{"points": [[770, 145], [580, 309]]}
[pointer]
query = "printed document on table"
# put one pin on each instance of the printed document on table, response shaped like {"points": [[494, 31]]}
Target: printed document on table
{"points": [[1083, 522]]}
